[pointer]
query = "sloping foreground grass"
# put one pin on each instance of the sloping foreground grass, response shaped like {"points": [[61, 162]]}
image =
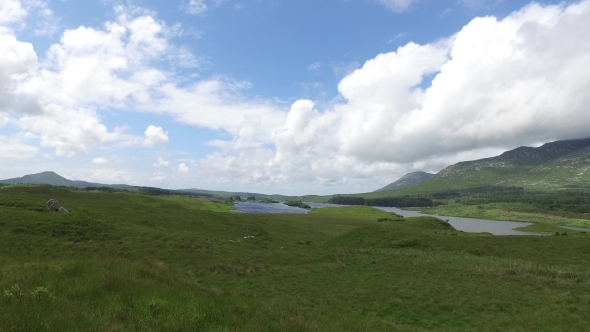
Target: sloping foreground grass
{"points": [[137, 263]]}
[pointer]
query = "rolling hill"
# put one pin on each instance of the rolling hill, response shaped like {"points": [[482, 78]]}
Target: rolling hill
{"points": [[55, 179]]}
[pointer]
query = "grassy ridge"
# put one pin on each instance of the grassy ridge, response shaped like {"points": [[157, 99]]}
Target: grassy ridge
{"points": [[129, 262]]}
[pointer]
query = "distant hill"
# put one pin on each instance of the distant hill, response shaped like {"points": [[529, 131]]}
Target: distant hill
{"points": [[55, 179], [244, 195], [407, 180], [555, 165]]}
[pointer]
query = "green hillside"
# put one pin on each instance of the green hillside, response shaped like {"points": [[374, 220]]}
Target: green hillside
{"points": [[555, 165], [410, 179]]}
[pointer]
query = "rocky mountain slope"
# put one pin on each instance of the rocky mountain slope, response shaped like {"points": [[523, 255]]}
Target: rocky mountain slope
{"points": [[555, 165], [407, 180]]}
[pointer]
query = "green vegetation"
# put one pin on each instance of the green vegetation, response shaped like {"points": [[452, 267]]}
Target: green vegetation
{"points": [[512, 212], [267, 200], [352, 212], [297, 203], [382, 201], [191, 203], [551, 229], [132, 262]]}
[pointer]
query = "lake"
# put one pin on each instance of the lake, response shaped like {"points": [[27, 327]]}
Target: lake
{"points": [[470, 225]]}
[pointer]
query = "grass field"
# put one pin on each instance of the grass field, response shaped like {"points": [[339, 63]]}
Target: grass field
{"points": [[129, 262]]}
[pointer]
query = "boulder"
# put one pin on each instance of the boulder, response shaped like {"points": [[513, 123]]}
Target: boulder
{"points": [[62, 210], [52, 205]]}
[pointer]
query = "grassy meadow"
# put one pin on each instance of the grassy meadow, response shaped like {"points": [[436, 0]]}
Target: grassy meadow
{"points": [[131, 262]]}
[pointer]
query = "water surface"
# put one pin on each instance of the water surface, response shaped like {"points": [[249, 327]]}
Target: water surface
{"points": [[470, 225], [257, 207]]}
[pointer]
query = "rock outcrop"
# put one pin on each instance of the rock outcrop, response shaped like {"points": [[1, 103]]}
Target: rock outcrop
{"points": [[53, 205]]}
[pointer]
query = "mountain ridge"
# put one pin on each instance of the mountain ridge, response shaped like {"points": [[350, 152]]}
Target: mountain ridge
{"points": [[551, 166], [407, 180]]}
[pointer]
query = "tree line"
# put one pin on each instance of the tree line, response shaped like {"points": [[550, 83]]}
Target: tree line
{"points": [[399, 202]]}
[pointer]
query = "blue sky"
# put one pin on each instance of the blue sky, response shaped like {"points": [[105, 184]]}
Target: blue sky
{"points": [[276, 96]]}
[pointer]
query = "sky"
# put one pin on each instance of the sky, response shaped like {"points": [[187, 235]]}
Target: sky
{"points": [[284, 96]]}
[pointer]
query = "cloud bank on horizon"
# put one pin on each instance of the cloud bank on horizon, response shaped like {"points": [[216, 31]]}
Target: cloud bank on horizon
{"points": [[496, 83]]}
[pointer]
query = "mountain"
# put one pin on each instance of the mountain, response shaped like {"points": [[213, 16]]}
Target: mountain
{"points": [[407, 180], [552, 166], [55, 179], [539, 168]]}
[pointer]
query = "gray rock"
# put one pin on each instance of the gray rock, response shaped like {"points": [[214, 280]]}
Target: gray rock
{"points": [[62, 210], [52, 205]]}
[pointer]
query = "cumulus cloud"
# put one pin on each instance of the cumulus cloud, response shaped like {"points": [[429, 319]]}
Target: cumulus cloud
{"points": [[155, 136], [182, 168], [494, 85], [17, 61], [73, 131], [100, 160], [161, 163], [497, 83], [95, 69], [11, 11]]}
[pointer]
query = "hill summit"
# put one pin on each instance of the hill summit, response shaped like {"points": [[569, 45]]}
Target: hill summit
{"points": [[408, 180], [554, 165], [53, 179]]}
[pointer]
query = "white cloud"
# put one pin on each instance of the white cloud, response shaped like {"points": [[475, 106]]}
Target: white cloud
{"points": [[12, 148], [397, 5], [496, 84], [17, 61], [196, 7], [17, 13], [72, 131], [182, 168], [161, 163], [100, 160], [11, 11], [155, 136], [94, 69]]}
